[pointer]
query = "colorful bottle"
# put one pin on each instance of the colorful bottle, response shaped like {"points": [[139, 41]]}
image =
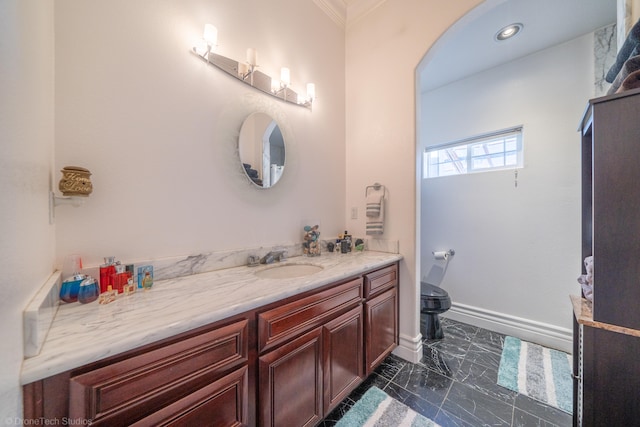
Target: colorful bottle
{"points": [[142, 273], [119, 278], [70, 287], [88, 291], [147, 281], [347, 237], [130, 287], [106, 272]]}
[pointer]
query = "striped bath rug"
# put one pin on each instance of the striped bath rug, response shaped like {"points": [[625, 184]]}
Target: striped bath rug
{"points": [[376, 408], [542, 373]]}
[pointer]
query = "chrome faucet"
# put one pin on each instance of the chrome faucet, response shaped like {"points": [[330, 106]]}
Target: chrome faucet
{"points": [[274, 255]]}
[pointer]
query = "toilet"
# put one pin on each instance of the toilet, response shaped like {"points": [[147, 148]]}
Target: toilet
{"points": [[433, 301]]}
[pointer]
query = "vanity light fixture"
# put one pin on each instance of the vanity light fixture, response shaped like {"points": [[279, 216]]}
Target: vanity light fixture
{"points": [[508, 32], [247, 72]]}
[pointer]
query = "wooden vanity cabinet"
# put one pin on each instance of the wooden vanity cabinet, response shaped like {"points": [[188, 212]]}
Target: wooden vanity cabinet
{"points": [[310, 355], [381, 315], [291, 382], [288, 364], [199, 375]]}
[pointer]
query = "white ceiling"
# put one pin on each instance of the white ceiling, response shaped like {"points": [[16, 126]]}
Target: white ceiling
{"points": [[468, 47]]}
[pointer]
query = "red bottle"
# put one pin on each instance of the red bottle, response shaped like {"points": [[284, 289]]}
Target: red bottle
{"points": [[120, 278], [107, 270]]}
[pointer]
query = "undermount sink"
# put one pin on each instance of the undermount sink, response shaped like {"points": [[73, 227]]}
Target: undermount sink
{"points": [[288, 271]]}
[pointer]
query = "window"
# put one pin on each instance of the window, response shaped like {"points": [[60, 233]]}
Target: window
{"points": [[497, 150]]}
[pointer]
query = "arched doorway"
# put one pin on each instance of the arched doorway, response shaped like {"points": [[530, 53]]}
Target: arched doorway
{"points": [[509, 226]]}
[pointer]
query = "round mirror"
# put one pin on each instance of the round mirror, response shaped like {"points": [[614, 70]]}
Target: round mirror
{"points": [[261, 148]]}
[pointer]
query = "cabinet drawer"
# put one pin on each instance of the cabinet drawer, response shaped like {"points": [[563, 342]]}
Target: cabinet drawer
{"points": [[223, 403], [131, 388], [290, 320], [380, 280]]}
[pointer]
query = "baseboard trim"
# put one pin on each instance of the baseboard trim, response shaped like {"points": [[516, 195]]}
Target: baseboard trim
{"points": [[410, 348], [525, 329]]}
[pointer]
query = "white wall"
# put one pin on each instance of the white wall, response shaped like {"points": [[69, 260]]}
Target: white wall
{"points": [[383, 51], [158, 127], [26, 154], [517, 248]]}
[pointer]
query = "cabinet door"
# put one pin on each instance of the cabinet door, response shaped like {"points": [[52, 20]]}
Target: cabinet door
{"points": [[611, 372], [343, 369], [381, 317], [291, 385]]}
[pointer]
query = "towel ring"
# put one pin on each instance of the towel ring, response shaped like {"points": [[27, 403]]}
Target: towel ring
{"points": [[375, 186]]}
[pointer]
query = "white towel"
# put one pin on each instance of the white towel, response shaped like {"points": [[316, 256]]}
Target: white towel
{"points": [[376, 225], [374, 201]]}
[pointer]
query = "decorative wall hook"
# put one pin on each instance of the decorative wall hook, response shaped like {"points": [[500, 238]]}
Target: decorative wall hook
{"points": [[75, 186]]}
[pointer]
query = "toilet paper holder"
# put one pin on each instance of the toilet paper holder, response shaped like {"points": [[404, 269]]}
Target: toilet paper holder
{"points": [[443, 254]]}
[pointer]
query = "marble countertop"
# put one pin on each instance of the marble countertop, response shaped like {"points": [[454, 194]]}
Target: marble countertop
{"points": [[82, 334]]}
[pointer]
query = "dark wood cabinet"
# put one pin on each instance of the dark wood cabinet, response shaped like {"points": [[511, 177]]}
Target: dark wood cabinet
{"points": [[343, 355], [381, 316], [302, 380], [221, 403], [291, 382], [288, 363], [202, 374], [607, 330], [611, 205], [119, 392], [606, 371], [382, 328]]}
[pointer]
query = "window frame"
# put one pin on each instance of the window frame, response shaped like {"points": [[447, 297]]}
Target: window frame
{"points": [[465, 166]]}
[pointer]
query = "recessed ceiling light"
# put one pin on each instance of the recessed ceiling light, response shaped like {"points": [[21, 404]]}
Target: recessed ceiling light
{"points": [[508, 32]]}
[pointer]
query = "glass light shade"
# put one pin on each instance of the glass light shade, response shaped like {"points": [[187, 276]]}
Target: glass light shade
{"points": [[210, 35], [252, 56], [200, 47], [285, 76], [311, 91]]}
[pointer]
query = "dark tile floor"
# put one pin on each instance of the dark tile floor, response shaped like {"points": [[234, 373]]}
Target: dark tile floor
{"points": [[454, 384]]}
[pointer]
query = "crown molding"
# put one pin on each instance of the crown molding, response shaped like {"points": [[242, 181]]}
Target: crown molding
{"points": [[335, 9], [358, 9], [345, 12]]}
